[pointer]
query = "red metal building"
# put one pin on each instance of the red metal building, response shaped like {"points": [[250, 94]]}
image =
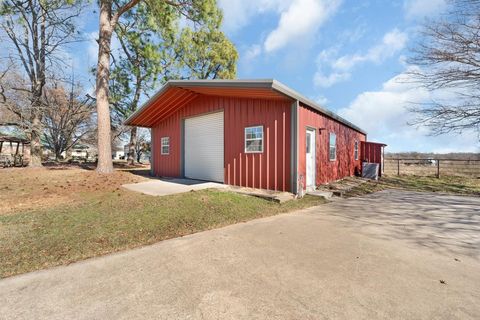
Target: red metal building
{"points": [[257, 134]]}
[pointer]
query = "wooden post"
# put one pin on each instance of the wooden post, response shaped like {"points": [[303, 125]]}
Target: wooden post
{"points": [[398, 167], [15, 158], [383, 160], [438, 169]]}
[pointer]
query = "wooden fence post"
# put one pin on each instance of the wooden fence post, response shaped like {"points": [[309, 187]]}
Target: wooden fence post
{"points": [[438, 169], [398, 167]]}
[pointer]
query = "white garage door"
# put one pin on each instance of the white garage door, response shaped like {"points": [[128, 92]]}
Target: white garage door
{"points": [[204, 147]]}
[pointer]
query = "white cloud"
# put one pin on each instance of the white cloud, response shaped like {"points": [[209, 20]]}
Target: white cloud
{"points": [[302, 18], [392, 43], [238, 13], [252, 52], [321, 100], [384, 115], [329, 80], [423, 8]]}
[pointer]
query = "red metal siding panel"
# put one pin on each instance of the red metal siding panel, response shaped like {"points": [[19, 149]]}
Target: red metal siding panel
{"points": [[267, 170], [327, 171], [372, 152]]}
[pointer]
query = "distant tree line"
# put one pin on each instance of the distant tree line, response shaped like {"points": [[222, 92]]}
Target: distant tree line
{"points": [[431, 155]]}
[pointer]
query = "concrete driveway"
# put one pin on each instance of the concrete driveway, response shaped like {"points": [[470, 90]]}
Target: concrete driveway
{"points": [[164, 187], [383, 256]]}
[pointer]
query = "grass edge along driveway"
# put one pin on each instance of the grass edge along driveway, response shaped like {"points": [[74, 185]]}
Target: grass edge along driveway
{"points": [[110, 222]]}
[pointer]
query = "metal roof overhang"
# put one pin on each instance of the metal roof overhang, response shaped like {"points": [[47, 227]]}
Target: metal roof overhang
{"points": [[177, 93]]}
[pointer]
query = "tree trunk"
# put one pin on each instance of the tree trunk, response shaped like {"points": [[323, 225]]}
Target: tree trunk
{"points": [[37, 94], [105, 164], [131, 146], [35, 136], [68, 154], [139, 157]]}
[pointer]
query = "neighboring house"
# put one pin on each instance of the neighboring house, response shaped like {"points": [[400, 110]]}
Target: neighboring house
{"points": [[77, 152], [80, 151], [118, 154], [253, 133], [126, 148]]}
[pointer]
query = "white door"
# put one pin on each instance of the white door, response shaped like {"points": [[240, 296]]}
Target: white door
{"points": [[204, 147], [310, 157]]}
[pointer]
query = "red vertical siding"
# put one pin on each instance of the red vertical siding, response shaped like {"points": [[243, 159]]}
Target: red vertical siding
{"points": [[267, 170], [372, 152], [327, 171]]}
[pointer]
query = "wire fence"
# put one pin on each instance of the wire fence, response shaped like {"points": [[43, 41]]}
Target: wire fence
{"points": [[432, 167]]}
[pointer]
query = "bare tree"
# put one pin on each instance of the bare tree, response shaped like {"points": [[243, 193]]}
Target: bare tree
{"points": [[34, 31], [15, 105], [448, 59], [68, 118], [142, 145]]}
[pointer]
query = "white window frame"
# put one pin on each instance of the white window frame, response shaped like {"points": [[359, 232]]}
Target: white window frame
{"points": [[253, 139], [355, 150], [165, 142], [330, 147]]}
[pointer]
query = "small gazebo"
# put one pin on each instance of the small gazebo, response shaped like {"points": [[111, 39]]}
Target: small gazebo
{"points": [[14, 151]]}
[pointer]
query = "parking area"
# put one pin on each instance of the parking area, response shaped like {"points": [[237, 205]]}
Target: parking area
{"points": [[165, 187], [392, 254]]}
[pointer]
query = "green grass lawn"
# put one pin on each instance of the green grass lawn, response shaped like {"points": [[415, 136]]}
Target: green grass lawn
{"points": [[58, 216], [105, 222]]}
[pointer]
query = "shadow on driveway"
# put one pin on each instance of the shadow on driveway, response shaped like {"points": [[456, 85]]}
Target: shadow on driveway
{"points": [[435, 221]]}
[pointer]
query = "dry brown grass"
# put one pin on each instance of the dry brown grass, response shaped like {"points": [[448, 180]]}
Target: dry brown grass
{"points": [[445, 184], [461, 168], [35, 188]]}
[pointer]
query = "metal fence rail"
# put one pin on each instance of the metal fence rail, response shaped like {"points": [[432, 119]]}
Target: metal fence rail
{"points": [[432, 167]]}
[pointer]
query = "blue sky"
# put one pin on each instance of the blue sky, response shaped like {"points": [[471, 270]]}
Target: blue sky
{"points": [[347, 55]]}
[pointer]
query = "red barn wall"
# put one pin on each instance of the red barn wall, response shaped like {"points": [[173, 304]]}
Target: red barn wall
{"points": [[267, 170], [327, 171], [373, 152]]}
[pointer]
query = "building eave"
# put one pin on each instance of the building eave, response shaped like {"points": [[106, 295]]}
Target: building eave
{"points": [[247, 84]]}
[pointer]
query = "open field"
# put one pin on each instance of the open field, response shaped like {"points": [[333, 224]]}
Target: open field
{"points": [[56, 216], [430, 167], [444, 184]]}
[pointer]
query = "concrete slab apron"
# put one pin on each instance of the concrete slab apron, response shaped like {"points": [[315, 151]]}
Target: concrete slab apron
{"points": [[313, 264], [167, 187]]}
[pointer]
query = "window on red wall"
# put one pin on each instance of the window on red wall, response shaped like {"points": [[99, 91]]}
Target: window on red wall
{"points": [[333, 147], [165, 145], [355, 150], [254, 139]]}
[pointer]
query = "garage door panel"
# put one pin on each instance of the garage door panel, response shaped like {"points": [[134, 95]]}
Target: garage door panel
{"points": [[204, 154]]}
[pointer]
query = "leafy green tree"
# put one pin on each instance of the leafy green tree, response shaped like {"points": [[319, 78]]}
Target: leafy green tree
{"points": [[144, 57], [162, 13], [207, 54], [154, 51]]}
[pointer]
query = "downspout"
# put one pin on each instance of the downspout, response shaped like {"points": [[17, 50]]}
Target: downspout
{"points": [[152, 152], [182, 148], [294, 147]]}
